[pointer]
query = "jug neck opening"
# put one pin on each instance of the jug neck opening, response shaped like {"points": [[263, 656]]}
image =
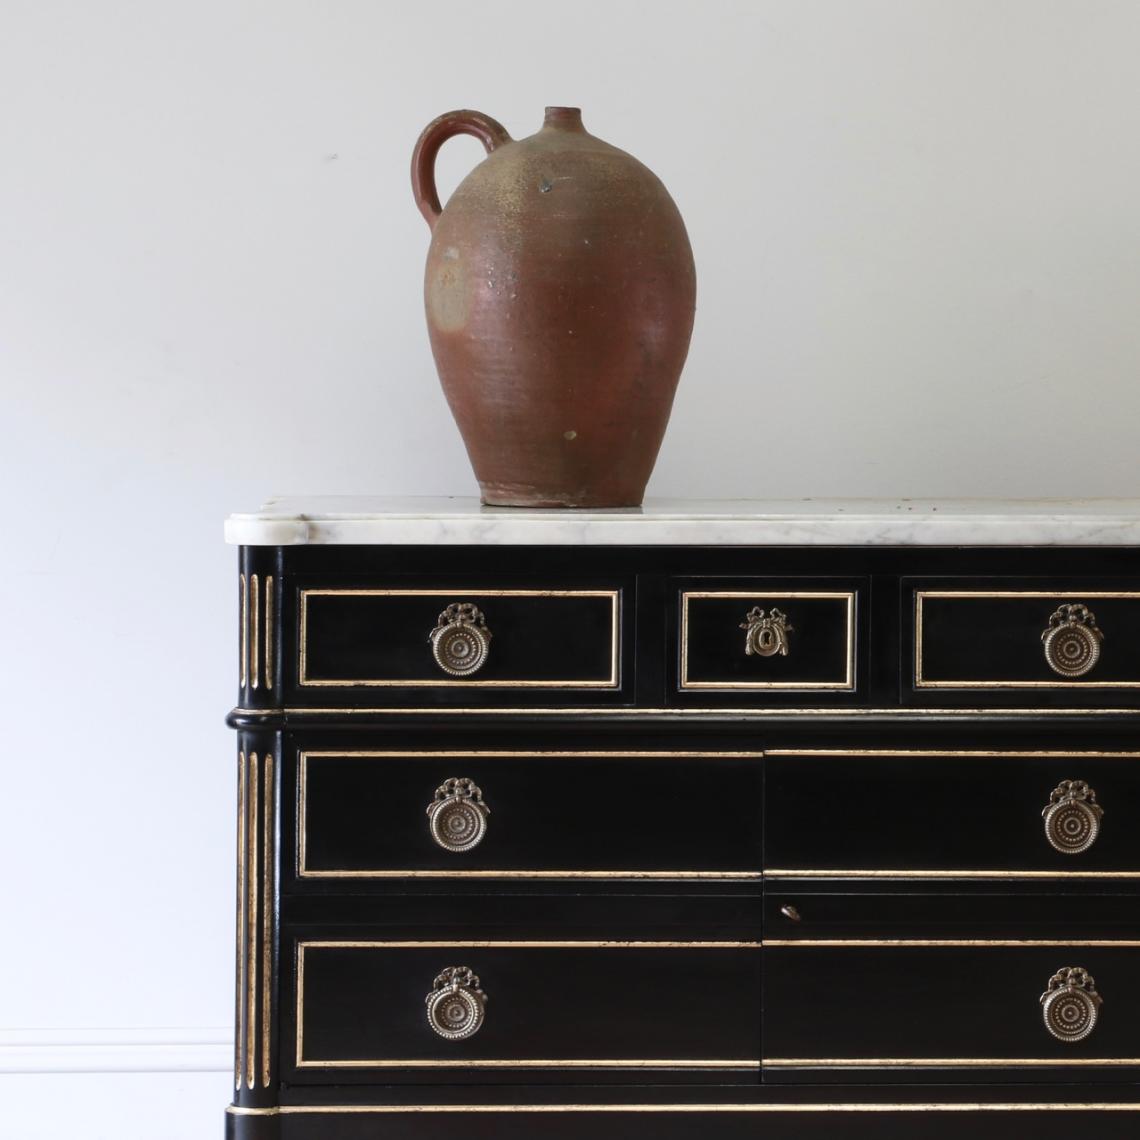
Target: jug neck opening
{"points": [[564, 118]]}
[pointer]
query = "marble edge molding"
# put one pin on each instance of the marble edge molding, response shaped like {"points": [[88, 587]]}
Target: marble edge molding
{"points": [[363, 521]]}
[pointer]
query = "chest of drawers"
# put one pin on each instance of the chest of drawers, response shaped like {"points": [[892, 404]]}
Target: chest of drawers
{"points": [[794, 820]]}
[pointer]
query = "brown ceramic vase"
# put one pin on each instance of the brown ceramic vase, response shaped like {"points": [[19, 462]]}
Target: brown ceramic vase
{"points": [[560, 294]]}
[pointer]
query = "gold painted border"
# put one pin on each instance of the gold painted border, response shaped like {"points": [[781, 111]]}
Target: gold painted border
{"points": [[493, 944], [921, 683], [615, 640], [242, 982], [252, 927], [740, 875], [525, 944], [453, 1063], [269, 632], [944, 1062], [848, 683], [1003, 753], [855, 1106], [909, 943], [687, 711], [255, 631], [267, 910], [304, 872], [926, 753], [243, 634], [799, 873]]}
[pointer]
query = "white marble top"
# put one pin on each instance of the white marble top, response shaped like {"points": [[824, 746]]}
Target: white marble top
{"points": [[337, 520]]}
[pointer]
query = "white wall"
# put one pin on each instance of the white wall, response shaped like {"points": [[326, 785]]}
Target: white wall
{"points": [[917, 234]]}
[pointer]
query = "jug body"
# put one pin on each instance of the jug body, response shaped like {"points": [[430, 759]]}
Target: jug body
{"points": [[560, 293]]}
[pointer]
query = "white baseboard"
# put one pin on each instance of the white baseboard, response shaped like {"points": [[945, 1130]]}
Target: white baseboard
{"points": [[166, 1050]]}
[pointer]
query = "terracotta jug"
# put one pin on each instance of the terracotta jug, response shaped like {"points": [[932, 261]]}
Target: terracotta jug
{"points": [[560, 294]]}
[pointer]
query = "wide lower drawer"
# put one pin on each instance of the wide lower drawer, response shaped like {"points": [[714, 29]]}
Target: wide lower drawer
{"points": [[959, 1005], [913, 810], [526, 1005], [592, 814]]}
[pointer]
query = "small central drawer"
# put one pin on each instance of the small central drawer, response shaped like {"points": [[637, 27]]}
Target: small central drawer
{"points": [[473, 1009], [550, 814], [756, 640], [916, 810], [459, 639]]}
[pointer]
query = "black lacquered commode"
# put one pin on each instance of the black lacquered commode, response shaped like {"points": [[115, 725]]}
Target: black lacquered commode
{"points": [[783, 821]]}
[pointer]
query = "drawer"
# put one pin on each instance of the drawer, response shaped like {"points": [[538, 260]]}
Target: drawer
{"points": [[1026, 643], [953, 1005], [812, 909], [476, 1008], [472, 643], [1055, 812], [765, 639], [597, 814]]}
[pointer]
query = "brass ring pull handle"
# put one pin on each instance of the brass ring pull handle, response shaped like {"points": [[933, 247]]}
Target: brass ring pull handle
{"points": [[1072, 817], [457, 817], [1070, 1003], [1072, 641], [767, 633], [456, 1003], [461, 640]]}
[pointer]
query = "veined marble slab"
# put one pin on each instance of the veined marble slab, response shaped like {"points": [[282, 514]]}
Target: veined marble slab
{"points": [[347, 520]]}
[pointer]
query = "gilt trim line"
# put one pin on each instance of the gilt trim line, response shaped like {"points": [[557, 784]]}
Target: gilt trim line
{"points": [[921, 682], [299, 996], [514, 874], [243, 631], [564, 1063], [523, 944], [255, 632], [935, 753], [516, 754], [847, 684], [267, 921], [252, 927], [944, 1062], [855, 943], [856, 1106], [684, 711], [239, 1017], [269, 633], [612, 682], [786, 873], [303, 870]]}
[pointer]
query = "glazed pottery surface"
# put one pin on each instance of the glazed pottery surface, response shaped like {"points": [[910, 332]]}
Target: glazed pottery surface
{"points": [[560, 293]]}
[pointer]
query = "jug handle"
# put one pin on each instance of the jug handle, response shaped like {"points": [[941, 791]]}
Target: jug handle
{"points": [[489, 132]]}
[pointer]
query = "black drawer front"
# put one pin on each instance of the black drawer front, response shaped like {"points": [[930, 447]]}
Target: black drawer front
{"points": [[929, 810], [379, 639], [764, 640], [595, 813], [993, 640], [590, 1005], [956, 1004]]}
